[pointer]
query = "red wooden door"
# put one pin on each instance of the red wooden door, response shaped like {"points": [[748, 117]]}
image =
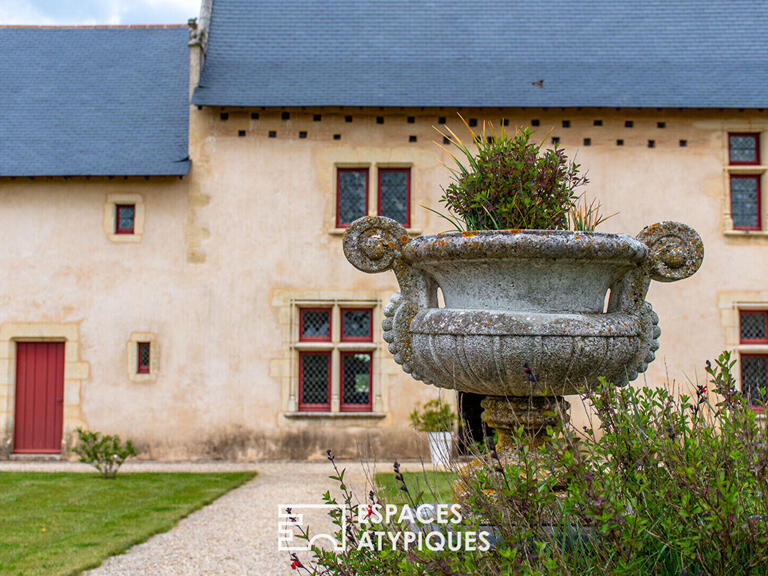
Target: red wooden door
{"points": [[39, 397]]}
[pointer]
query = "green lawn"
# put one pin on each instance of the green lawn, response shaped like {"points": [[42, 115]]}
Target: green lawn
{"points": [[436, 487], [56, 524]]}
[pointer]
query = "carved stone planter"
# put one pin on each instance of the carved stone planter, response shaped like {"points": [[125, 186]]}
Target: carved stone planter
{"points": [[525, 320]]}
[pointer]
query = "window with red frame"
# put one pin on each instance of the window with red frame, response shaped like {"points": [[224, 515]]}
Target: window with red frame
{"points": [[356, 381], [315, 381], [753, 329], [351, 195], [355, 370], [745, 202], [744, 148], [320, 348], [356, 325], [395, 194], [315, 324], [143, 357], [125, 215]]}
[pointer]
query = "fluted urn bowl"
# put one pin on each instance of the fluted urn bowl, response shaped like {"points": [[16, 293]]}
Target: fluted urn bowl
{"points": [[528, 313]]}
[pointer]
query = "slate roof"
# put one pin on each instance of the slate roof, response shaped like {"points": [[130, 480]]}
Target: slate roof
{"points": [[94, 101], [591, 53]]}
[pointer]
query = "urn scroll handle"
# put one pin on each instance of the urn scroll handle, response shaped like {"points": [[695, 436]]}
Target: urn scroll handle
{"points": [[376, 244], [675, 252]]}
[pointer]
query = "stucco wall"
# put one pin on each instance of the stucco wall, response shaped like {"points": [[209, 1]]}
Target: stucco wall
{"points": [[226, 249]]}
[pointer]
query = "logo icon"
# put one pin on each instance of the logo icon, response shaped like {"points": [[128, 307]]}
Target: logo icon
{"points": [[290, 520]]}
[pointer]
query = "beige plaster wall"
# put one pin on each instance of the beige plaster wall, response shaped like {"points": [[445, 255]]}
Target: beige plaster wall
{"points": [[227, 251]]}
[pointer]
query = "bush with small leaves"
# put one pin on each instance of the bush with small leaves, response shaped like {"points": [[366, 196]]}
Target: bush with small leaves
{"points": [[105, 453], [660, 483], [434, 416], [503, 181]]}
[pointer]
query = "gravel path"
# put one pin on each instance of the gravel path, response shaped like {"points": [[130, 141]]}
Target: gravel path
{"points": [[237, 534]]}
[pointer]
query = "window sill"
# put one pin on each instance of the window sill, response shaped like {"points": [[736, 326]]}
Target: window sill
{"points": [[746, 233], [124, 238], [341, 231], [333, 415]]}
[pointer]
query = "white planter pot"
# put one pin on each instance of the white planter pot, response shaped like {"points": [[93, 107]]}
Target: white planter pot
{"points": [[440, 446]]}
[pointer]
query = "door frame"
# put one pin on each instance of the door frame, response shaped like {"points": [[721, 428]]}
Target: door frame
{"points": [[75, 373]]}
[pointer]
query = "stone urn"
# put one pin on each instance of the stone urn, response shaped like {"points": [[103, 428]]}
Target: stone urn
{"points": [[529, 315]]}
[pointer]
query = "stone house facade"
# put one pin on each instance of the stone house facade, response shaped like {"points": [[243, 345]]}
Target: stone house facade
{"points": [[173, 201]]}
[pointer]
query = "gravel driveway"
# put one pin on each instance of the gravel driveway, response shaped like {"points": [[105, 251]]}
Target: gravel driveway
{"points": [[237, 534]]}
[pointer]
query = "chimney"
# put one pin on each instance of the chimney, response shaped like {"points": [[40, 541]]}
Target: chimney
{"points": [[198, 41]]}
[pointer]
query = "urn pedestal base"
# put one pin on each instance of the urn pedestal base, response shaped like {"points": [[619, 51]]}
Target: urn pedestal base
{"points": [[534, 413]]}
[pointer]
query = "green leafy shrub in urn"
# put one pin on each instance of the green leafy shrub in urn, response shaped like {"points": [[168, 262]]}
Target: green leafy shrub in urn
{"points": [[525, 279]]}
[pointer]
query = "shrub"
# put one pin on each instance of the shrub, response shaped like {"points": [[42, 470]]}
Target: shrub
{"points": [[509, 182], [105, 453], [433, 417], [673, 485]]}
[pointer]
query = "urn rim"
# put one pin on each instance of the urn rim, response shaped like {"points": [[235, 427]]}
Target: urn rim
{"points": [[501, 244]]}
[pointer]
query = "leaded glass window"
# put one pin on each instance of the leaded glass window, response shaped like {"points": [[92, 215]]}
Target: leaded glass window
{"points": [[394, 194], [745, 202], [356, 324], [744, 148], [754, 370], [143, 354], [351, 196], [753, 326], [315, 324], [356, 381], [315, 372], [125, 215]]}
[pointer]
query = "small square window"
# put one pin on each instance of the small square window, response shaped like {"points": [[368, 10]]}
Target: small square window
{"points": [[566, 123], [587, 141], [535, 122], [745, 202], [753, 327], [744, 148], [356, 381], [315, 381], [357, 325], [395, 194], [143, 356], [351, 195], [597, 123], [315, 324], [125, 216], [629, 124]]}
